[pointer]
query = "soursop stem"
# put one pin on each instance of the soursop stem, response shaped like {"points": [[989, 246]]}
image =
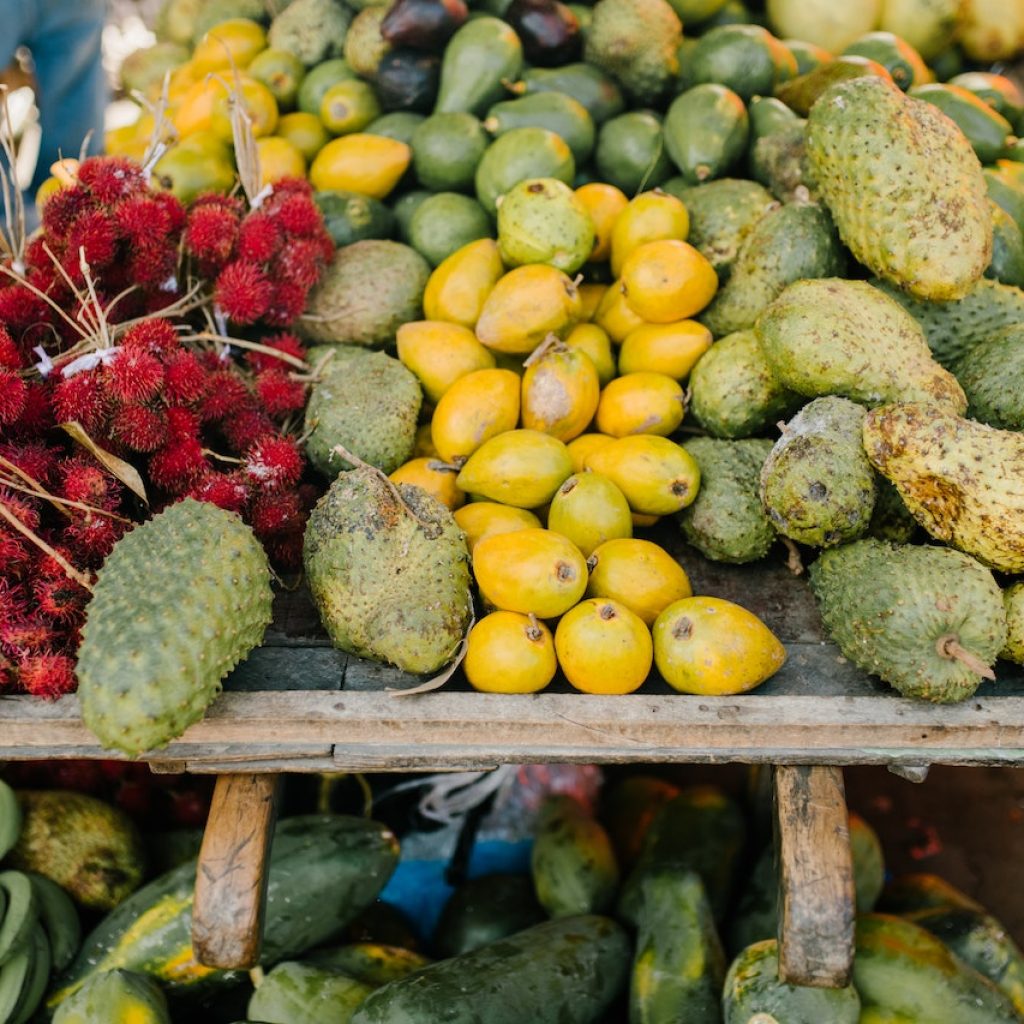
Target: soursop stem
{"points": [[384, 478], [949, 647]]}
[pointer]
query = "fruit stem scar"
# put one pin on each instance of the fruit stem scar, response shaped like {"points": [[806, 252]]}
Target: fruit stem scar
{"points": [[949, 646]]}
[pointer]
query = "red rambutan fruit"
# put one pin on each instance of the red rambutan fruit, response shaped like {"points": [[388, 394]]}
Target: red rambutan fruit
{"points": [[141, 218], [47, 675], [27, 635], [279, 513], [286, 343], [185, 380], [80, 398], [301, 263], [279, 394], [285, 551], [139, 427], [225, 490], [13, 394], [85, 482], [15, 555], [211, 235], [181, 423], [59, 599], [152, 264], [25, 509], [287, 304], [258, 238], [298, 215], [20, 309], [37, 415], [291, 186], [134, 375], [95, 233], [233, 203], [35, 458], [176, 465], [110, 178], [10, 354], [226, 395], [246, 428], [243, 292], [157, 335], [273, 464], [93, 536], [174, 210], [62, 208], [47, 567]]}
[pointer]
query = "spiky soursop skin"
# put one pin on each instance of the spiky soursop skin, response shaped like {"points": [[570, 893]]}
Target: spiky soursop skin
{"points": [[992, 376], [179, 602], [313, 30], [389, 571], [83, 844], [817, 486], [908, 613], [1013, 599], [904, 186], [726, 522]]}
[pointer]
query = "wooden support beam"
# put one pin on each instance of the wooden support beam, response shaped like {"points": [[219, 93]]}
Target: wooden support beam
{"points": [[231, 880], [816, 894]]}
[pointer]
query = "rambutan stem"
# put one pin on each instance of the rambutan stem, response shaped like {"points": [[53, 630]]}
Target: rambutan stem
{"points": [[253, 346], [39, 491], [30, 535], [949, 646]]}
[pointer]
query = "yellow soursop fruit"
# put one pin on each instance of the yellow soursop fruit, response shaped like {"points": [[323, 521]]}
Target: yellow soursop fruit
{"points": [[1013, 600], [904, 186], [179, 602], [927, 620], [388, 569], [961, 480], [836, 337]]}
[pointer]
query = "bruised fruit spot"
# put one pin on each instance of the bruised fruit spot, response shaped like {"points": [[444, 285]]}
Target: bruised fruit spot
{"points": [[606, 612], [565, 572], [568, 487], [680, 488], [817, 490], [683, 629]]}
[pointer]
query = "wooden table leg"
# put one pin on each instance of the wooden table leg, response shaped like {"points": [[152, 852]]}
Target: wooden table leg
{"points": [[816, 894], [231, 882]]}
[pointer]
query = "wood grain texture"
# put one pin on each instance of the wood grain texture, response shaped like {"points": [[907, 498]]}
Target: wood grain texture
{"points": [[231, 880], [816, 894]]}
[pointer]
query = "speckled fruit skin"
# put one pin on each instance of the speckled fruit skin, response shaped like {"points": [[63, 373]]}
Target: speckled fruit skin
{"points": [[179, 602], [904, 187]]}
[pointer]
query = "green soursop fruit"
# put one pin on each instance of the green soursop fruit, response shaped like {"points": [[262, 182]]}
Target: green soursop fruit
{"points": [[636, 41], [953, 328], [179, 602], [992, 376], [928, 620], [836, 337], [726, 522], [85, 845], [389, 571], [366, 402], [115, 996], [370, 289], [733, 392], [904, 186], [817, 485], [790, 243], [313, 30], [891, 519], [213, 12], [778, 161], [1013, 601]]}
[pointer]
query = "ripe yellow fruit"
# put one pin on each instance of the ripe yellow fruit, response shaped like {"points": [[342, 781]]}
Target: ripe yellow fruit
{"points": [[639, 574], [196, 107], [604, 203], [523, 468], [603, 647], [642, 521], [370, 164], [641, 403], [580, 447], [424, 446], [481, 519], [279, 159], [560, 391], [349, 106], [304, 131], [672, 349], [594, 341], [440, 353], [589, 509], [712, 647], [460, 284], [232, 43], [533, 572], [431, 476], [649, 217], [475, 408], [614, 315], [527, 305], [510, 653], [590, 299], [667, 280], [259, 104], [656, 475]]}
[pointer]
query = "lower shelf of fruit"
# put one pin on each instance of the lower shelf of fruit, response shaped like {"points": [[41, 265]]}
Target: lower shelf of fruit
{"points": [[297, 704]]}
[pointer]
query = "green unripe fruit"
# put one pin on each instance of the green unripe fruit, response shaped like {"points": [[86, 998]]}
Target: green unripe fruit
{"points": [[541, 221]]}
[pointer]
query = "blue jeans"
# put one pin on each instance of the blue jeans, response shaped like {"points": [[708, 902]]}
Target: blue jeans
{"points": [[64, 38]]}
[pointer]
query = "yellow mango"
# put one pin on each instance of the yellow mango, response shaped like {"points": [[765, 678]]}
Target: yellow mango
{"points": [[649, 217], [475, 408], [439, 353], [560, 391], [279, 159], [639, 574], [604, 203], [589, 509], [433, 477], [712, 647], [656, 475], [614, 315], [230, 44], [195, 110], [370, 164], [533, 572], [460, 284], [641, 403], [641, 521], [304, 131], [523, 468], [527, 305], [580, 447], [594, 341], [481, 519], [424, 446], [259, 104], [510, 653], [667, 280], [603, 647], [590, 299], [672, 349]]}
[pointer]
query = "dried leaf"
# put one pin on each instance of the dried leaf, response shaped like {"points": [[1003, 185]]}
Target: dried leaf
{"points": [[124, 471]]}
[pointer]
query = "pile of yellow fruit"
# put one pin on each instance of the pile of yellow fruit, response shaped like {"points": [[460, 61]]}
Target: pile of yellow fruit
{"points": [[553, 403]]}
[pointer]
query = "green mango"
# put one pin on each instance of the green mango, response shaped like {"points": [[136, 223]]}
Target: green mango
{"points": [[556, 111], [747, 59], [631, 152], [517, 155], [482, 55], [706, 131], [446, 149], [586, 84], [896, 55]]}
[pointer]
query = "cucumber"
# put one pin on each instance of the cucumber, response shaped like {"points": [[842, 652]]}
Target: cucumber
{"points": [[896, 55], [583, 82], [900, 966], [350, 217], [629, 808], [631, 152], [445, 151], [753, 992], [706, 131], [37, 979], [21, 915], [747, 59], [116, 996], [800, 93], [369, 962], [324, 869], [998, 91], [10, 819], [485, 910], [482, 55], [294, 993], [573, 864], [59, 919], [985, 129], [562, 972], [679, 965], [556, 111]]}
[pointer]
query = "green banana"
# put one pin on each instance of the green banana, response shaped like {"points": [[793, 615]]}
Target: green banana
{"points": [[10, 819], [59, 919], [22, 914]]}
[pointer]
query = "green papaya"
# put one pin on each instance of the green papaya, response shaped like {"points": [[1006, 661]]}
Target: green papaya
{"points": [[370, 963], [350, 217], [985, 129], [482, 55], [585, 83], [629, 808], [484, 910], [631, 152], [778, 161], [808, 56], [1003, 189], [115, 996], [1003, 94], [555, 111], [706, 131], [908, 894], [747, 59], [1007, 263], [294, 993], [769, 115], [801, 93], [896, 55], [756, 918]]}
